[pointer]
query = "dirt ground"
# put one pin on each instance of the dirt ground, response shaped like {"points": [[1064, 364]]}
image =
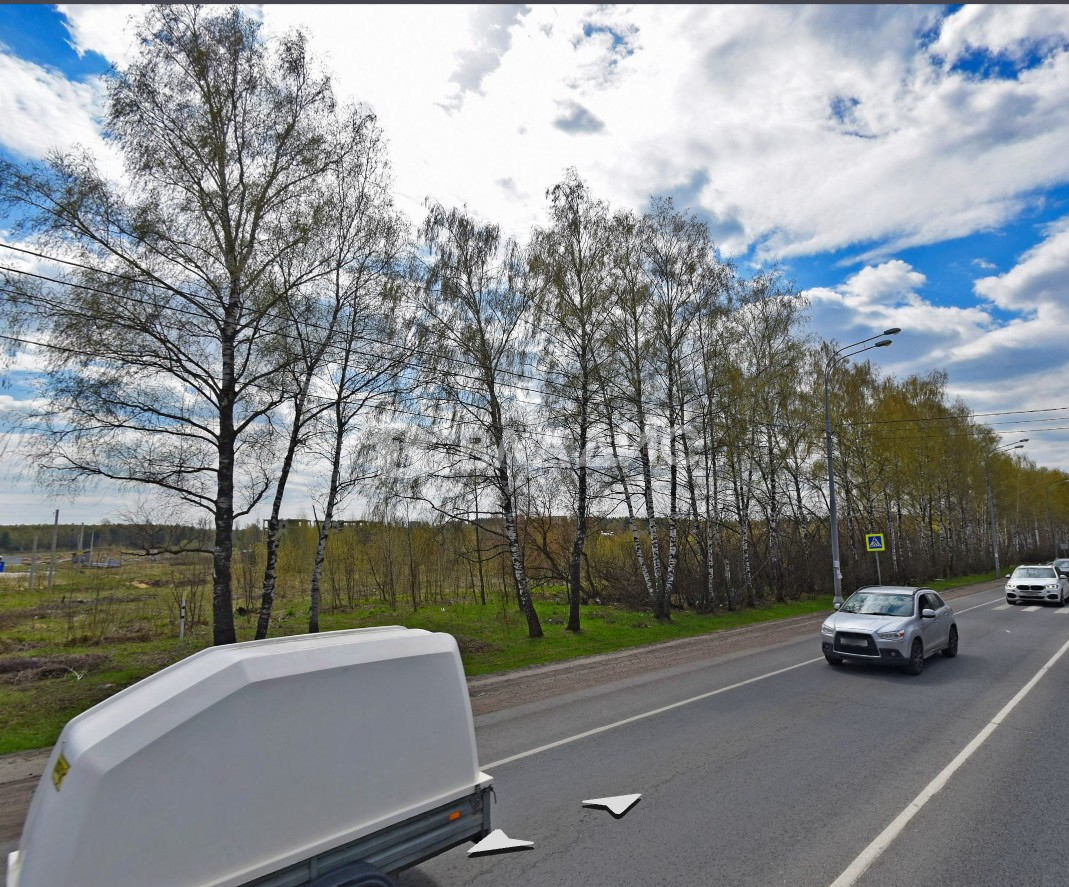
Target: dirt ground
{"points": [[21, 772]]}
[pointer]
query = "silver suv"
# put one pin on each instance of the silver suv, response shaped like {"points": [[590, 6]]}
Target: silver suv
{"points": [[1037, 584], [892, 624]]}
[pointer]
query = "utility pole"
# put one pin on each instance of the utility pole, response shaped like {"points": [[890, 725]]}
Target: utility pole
{"points": [[52, 565], [1016, 445], [836, 356], [33, 562]]}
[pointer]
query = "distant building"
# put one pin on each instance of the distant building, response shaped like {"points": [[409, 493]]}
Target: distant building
{"points": [[286, 523]]}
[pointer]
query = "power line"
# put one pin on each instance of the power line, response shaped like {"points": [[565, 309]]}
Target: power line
{"points": [[951, 417], [270, 315], [419, 351], [400, 411], [280, 334]]}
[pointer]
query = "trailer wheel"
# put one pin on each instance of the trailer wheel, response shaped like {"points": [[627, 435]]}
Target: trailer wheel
{"points": [[359, 874]]}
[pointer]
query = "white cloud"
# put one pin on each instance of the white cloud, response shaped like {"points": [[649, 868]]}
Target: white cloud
{"points": [[802, 128], [1002, 28], [1018, 364], [889, 295], [103, 28], [43, 111], [1039, 284]]}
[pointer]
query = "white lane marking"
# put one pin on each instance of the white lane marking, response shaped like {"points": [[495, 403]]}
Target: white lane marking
{"points": [[1004, 607], [884, 839], [643, 716], [978, 606], [1033, 609], [1062, 610]]}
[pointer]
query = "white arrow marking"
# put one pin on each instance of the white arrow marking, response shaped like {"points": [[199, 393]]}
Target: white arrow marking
{"points": [[617, 806], [496, 841]]}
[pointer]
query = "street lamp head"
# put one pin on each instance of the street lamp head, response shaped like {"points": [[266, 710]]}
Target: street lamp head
{"points": [[883, 343], [893, 331]]}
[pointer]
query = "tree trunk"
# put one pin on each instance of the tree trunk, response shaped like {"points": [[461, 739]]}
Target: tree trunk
{"points": [[574, 579], [267, 596], [223, 631]]}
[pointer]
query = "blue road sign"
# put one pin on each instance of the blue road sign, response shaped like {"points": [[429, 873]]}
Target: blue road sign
{"points": [[874, 541]]}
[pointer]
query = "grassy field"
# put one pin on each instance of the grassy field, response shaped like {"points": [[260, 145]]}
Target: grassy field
{"points": [[95, 632]]}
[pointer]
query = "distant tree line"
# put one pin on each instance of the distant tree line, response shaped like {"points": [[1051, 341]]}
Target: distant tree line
{"points": [[134, 539], [607, 404]]}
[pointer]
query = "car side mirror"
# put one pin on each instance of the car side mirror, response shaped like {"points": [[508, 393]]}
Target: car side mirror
{"points": [[927, 613], [836, 606], [1007, 575]]}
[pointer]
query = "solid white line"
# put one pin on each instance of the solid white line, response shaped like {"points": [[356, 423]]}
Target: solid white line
{"points": [[643, 716], [883, 840]]}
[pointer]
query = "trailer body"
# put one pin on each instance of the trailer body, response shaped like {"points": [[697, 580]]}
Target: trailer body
{"points": [[267, 763]]}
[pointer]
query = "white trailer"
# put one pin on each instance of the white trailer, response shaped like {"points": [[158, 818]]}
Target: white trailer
{"points": [[326, 760]]}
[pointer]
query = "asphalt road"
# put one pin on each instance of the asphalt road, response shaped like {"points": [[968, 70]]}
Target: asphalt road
{"points": [[770, 767]]}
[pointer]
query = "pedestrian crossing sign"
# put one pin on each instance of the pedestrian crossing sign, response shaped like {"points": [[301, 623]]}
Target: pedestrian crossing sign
{"points": [[874, 541]]}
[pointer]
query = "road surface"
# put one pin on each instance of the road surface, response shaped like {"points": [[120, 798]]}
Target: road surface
{"points": [[774, 768]]}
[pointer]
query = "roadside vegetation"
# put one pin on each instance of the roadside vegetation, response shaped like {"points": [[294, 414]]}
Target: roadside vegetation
{"points": [[98, 630]]}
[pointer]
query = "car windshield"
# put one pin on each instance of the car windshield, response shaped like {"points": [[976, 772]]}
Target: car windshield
{"points": [[1062, 564], [1034, 573], [873, 603]]}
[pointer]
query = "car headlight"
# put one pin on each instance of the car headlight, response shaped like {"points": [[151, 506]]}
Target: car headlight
{"points": [[827, 629], [895, 635], [1052, 585]]}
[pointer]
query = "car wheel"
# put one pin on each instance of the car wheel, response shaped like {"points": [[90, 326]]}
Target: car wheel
{"points": [[833, 660], [916, 658], [951, 649]]}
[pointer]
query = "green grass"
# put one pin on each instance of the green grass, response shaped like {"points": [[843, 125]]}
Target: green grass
{"points": [[960, 581], [492, 641]]}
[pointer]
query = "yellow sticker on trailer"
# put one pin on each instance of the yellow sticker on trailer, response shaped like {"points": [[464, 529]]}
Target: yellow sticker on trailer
{"points": [[874, 541], [60, 771]]}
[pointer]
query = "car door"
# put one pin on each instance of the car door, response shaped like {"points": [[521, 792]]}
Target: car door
{"points": [[933, 631], [944, 617]]}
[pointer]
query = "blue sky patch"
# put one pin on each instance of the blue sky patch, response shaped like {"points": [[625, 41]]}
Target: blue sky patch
{"points": [[36, 33], [986, 65]]}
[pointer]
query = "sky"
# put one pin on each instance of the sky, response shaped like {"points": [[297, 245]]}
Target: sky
{"points": [[904, 165]]}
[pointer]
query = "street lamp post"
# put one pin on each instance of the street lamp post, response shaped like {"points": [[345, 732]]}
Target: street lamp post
{"points": [[1016, 445], [837, 355]]}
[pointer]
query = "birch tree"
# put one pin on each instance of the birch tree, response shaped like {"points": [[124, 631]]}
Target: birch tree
{"points": [[573, 256], [473, 315], [158, 373]]}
